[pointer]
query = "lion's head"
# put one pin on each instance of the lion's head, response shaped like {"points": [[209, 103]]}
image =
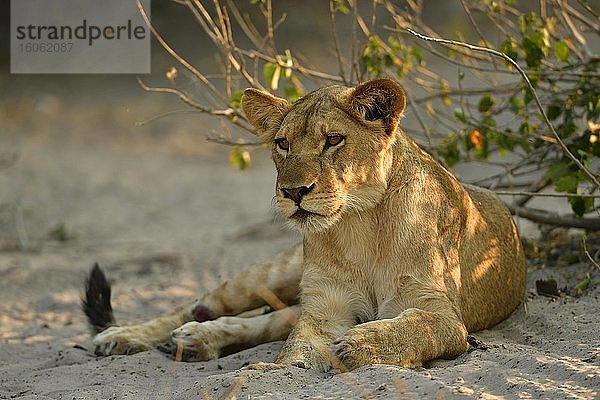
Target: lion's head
{"points": [[332, 148]]}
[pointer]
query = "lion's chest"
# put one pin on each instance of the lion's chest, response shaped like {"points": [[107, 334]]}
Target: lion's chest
{"points": [[376, 259]]}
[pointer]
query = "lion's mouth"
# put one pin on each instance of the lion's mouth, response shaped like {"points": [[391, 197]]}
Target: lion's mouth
{"points": [[301, 213], [310, 221]]}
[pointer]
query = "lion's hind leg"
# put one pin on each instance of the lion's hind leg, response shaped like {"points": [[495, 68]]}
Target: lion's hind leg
{"points": [[203, 341]]}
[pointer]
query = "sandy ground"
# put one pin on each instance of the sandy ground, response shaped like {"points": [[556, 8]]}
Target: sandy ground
{"points": [[167, 217]]}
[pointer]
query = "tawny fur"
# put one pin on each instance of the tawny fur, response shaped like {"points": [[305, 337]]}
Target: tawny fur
{"points": [[399, 259]]}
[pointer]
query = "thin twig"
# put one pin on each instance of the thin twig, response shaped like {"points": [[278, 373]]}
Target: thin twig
{"points": [[538, 194], [474, 24], [227, 142], [336, 41], [420, 120], [587, 253], [186, 99], [253, 54], [164, 115], [269, 18], [535, 187], [355, 56], [588, 8], [247, 27]]}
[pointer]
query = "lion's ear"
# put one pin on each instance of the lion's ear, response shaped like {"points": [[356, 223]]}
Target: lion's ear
{"points": [[264, 111], [380, 99]]}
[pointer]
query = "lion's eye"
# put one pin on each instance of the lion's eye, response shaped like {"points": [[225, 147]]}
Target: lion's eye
{"points": [[282, 144], [334, 140]]}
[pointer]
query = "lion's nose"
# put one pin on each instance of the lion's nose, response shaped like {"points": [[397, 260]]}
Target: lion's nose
{"points": [[296, 194]]}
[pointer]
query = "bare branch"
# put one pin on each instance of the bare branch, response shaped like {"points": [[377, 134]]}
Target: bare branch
{"points": [[336, 42], [234, 116], [535, 187], [546, 217], [355, 56], [538, 194], [228, 142], [177, 57], [269, 18]]}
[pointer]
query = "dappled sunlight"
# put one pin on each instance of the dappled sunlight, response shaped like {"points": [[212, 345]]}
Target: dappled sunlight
{"points": [[37, 339], [20, 321], [483, 267], [67, 297], [573, 364], [551, 388]]}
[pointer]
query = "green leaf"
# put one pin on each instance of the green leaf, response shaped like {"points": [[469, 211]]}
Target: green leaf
{"points": [[509, 47], [449, 154], [540, 40], [340, 5], [460, 115], [239, 159], [533, 52], [581, 205], [488, 122], [485, 104], [566, 184], [236, 99], [558, 170], [528, 96], [553, 112], [561, 50], [570, 259], [583, 285], [418, 55], [517, 104], [524, 143], [292, 92]]}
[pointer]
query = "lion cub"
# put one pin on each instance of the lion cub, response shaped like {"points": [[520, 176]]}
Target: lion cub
{"points": [[399, 260]]}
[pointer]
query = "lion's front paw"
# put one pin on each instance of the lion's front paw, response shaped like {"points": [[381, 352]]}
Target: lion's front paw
{"points": [[200, 341], [121, 340], [361, 345], [375, 343]]}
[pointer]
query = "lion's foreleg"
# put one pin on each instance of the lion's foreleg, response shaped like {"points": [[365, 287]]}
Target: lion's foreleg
{"points": [[409, 340], [328, 310]]}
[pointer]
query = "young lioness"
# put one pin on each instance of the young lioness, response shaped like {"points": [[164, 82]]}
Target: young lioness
{"points": [[399, 260]]}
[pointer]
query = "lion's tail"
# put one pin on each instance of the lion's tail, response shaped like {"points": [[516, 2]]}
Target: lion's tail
{"points": [[96, 301]]}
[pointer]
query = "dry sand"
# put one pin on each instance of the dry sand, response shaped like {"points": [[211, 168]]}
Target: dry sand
{"points": [[168, 218]]}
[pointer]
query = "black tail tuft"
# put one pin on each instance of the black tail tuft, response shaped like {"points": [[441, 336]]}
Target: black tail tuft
{"points": [[96, 303]]}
